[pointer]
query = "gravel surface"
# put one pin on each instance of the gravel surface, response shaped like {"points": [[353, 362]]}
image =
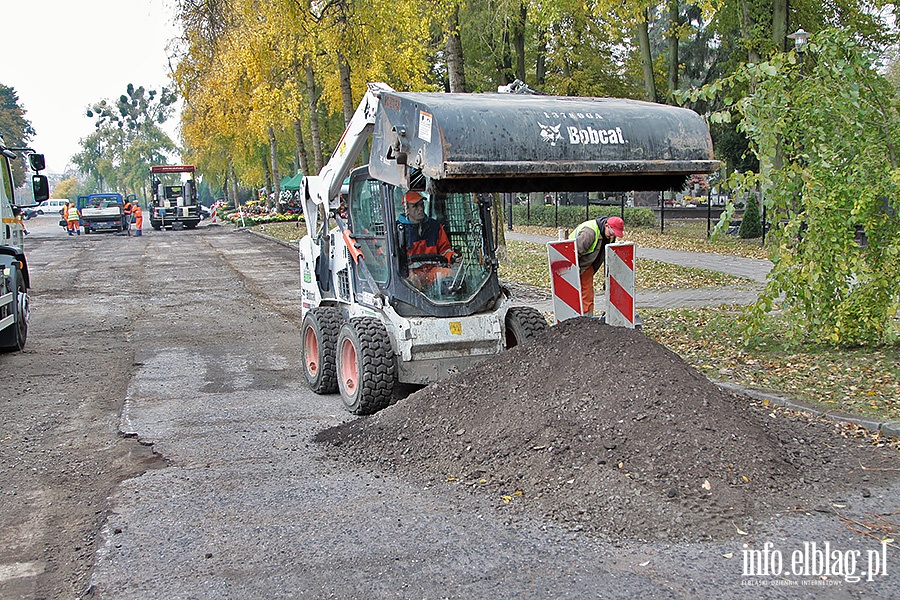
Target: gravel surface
{"points": [[158, 442]]}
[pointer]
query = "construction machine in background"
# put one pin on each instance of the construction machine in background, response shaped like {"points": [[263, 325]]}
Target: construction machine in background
{"points": [[173, 202], [14, 276], [367, 326]]}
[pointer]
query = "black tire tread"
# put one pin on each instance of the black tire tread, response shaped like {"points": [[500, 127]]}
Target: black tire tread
{"points": [[378, 374], [526, 323], [329, 321]]}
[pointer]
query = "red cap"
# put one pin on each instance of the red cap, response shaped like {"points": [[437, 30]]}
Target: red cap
{"points": [[617, 225], [412, 197]]}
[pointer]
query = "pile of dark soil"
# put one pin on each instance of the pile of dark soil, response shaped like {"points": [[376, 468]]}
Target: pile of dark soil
{"points": [[609, 432]]}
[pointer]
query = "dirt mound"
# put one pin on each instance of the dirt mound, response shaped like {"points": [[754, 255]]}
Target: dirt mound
{"points": [[610, 432]]}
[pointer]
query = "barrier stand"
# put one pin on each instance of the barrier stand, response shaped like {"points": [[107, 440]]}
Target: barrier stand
{"points": [[565, 282], [620, 285]]}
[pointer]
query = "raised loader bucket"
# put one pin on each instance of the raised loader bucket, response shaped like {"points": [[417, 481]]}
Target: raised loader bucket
{"points": [[519, 142]]}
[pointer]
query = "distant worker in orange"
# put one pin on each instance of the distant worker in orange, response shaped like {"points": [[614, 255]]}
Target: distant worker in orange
{"points": [[138, 216], [72, 218], [126, 216]]}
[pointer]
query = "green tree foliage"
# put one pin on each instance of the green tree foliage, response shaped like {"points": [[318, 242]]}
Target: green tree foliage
{"points": [[836, 122], [15, 129], [751, 224], [127, 138]]}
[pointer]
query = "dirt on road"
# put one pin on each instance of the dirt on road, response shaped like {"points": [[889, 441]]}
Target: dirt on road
{"points": [[610, 432]]}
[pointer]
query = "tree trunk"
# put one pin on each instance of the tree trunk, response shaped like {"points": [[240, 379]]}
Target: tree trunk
{"points": [[302, 159], [780, 24], [235, 191], [276, 176], [456, 73], [506, 68], [672, 39], [518, 41], [226, 181], [643, 31], [540, 66], [267, 167], [346, 90], [748, 23], [312, 96]]}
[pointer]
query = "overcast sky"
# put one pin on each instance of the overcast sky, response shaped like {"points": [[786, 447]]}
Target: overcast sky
{"points": [[63, 55]]}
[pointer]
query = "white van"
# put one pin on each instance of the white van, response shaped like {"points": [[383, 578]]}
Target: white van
{"points": [[51, 206]]}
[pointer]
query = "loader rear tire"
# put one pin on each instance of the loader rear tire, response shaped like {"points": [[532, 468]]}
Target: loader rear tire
{"points": [[522, 324], [365, 366], [319, 334]]}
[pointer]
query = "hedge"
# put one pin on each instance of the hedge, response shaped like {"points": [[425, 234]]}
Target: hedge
{"points": [[571, 216]]}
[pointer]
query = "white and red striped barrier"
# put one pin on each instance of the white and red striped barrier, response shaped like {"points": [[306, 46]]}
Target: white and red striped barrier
{"points": [[620, 284], [565, 280]]}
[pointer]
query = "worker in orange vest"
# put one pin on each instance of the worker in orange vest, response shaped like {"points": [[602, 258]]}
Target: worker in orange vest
{"points": [[72, 218], [138, 216], [126, 216]]}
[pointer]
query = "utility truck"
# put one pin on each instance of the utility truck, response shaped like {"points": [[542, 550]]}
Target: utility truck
{"points": [[14, 277], [367, 322], [173, 202], [103, 212]]}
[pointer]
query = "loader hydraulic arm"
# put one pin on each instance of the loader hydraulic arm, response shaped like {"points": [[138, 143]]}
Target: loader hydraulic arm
{"points": [[323, 190]]}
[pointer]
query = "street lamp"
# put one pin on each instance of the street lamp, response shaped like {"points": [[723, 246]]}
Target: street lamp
{"points": [[799, 38]]}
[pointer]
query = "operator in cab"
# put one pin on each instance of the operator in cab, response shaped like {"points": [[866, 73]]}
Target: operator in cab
{"points": [[428, 248]]}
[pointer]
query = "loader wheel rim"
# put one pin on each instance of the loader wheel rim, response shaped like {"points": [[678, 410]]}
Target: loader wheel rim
{"points": [[349, 367], [312, 352]]}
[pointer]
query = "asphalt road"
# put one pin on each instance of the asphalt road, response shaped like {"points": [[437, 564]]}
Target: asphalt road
{"points": [[199, 335]]}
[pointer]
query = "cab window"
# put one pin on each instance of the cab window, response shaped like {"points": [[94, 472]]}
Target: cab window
{"points": [[368, 226], [7, 189]]}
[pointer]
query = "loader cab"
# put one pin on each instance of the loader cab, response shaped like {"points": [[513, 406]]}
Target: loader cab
{"points": [[424, 284]]}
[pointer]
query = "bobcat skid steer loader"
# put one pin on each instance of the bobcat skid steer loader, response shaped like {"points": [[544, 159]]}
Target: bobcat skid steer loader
{"points": [[369, 323]]}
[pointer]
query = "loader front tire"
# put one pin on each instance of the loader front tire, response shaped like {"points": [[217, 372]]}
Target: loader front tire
{"points": [[365, 366], [319, 334], [522, 324]]}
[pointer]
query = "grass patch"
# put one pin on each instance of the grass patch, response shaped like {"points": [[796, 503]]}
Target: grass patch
{"points": [[689, 236], [527, 264], [288, 231], [861, 381]]}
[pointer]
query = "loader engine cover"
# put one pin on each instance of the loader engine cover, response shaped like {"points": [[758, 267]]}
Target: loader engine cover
{"points": [[519, 142]]}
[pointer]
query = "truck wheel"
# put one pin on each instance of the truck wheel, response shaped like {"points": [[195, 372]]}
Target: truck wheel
{"points": [[522, 324], [319, 334], [12, 339], [365, 366]]}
